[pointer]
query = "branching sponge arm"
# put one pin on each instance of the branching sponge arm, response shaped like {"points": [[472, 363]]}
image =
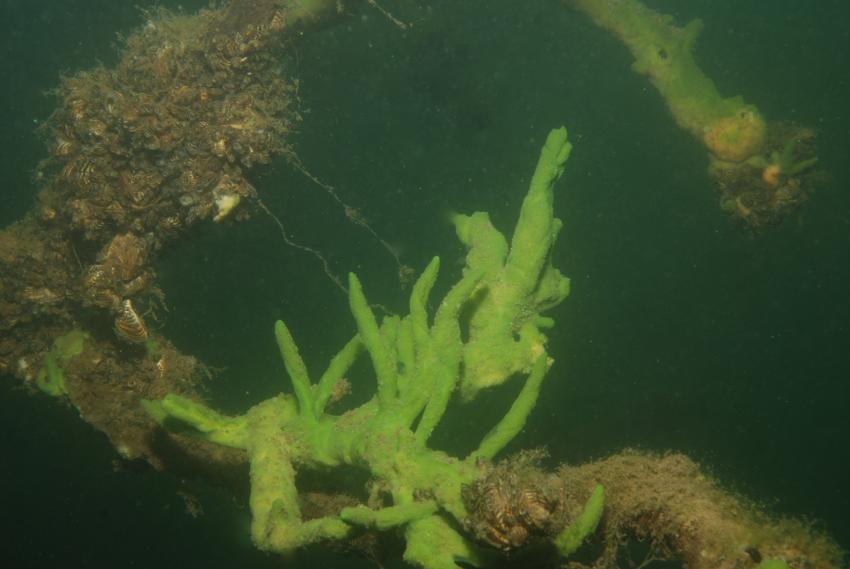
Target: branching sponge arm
{"points": [[518, 284], [571, 538], [419, 303], [296, 369], [664, 53], [336, 370], [756, 184], [276, 523], [390, 517], [444, 353], [369, 332], [514, 420], [208, 424], [537, 224]]}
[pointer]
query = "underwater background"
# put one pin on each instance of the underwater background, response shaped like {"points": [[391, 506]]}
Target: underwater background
{"points": [[680, 332]]}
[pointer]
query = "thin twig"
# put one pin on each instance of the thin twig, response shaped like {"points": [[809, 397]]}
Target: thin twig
{"points": [[353, 214], [325, 265], [398, 23]]}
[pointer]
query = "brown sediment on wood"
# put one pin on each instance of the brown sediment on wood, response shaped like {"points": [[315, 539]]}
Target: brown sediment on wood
{"points": [[240, 15], [669, 502], [138, 154], [663, 506]]}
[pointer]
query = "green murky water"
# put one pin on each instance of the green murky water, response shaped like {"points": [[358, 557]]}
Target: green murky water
{"points": [[680, 332]]}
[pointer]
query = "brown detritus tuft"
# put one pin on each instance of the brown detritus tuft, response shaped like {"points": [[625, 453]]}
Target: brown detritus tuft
{"points": [[669, 503], [759, 192]]}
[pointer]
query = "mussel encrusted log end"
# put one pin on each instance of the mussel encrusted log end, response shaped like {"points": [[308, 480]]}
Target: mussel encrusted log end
{"points": [[514, 504]]}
